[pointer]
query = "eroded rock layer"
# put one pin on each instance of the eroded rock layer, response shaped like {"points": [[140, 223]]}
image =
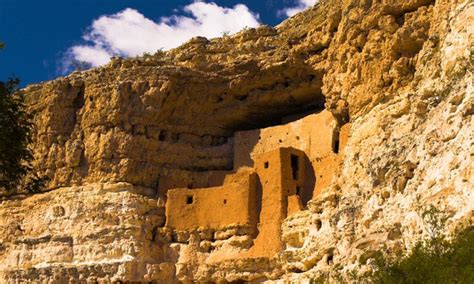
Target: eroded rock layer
{"points": [[376, 97]]}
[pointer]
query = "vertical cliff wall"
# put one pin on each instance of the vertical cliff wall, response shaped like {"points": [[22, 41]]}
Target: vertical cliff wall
{"points": [[112, 140]]}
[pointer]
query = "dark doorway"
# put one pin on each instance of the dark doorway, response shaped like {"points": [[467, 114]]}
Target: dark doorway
{"points": [[336, 146], [336, 141], [295, 166]]}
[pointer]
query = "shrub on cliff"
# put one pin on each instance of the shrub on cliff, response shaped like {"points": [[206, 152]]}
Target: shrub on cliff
{"points": [[15, 133], [437, 261]]}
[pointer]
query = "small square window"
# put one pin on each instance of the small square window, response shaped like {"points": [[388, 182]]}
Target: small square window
{"points": [[265, 165], [225, 201], [189, 199], [162, 136]]}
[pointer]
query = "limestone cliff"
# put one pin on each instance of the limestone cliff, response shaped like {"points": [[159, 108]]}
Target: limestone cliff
{"points": [[115, 141]]}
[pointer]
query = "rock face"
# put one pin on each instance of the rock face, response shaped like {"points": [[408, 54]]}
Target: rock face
{"points": [[394, 78]]}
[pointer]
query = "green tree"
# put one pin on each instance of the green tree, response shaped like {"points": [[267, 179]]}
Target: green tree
{"points": [[437, 261], [15, 133]]}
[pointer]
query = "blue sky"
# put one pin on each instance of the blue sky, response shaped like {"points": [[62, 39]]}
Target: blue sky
{"points": [[44, 37]]}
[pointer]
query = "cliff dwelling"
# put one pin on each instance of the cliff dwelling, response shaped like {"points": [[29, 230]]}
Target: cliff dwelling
{"points": [[276, 171]]}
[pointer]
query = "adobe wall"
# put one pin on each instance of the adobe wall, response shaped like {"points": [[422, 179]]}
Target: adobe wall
{"points": [[293, 178], [326, 167], [234, 203], [175, 178], [315, 134], [278, 188]]}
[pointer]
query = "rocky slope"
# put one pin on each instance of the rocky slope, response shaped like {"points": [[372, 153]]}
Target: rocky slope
{"points": [[108, 139]]}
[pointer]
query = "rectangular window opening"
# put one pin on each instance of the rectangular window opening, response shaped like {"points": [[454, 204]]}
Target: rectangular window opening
{"points": [[265, 165], [336, 146], [298, 191], [295, 166]]}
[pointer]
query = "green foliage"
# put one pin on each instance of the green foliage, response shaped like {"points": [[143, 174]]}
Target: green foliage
{"points": [[436, 261], [435, 221], [15, 133], [15, 129]]}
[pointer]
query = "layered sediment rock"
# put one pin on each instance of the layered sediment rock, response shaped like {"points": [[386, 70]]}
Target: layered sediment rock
{"points": [[114, 139]]}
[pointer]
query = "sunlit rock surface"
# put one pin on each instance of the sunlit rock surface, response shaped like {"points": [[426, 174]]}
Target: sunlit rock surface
{"points": [[395, 80]]}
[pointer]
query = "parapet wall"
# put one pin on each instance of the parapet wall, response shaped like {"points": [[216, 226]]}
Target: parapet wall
{"points": [[176, 178], [233, 204], [314, 134]]}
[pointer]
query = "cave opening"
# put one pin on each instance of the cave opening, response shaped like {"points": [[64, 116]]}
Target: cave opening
{"points": [[277, 117]]}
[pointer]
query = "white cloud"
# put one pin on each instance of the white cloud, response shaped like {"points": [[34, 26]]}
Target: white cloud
{"points": [[129, 33], [302, 5], [91, 54]]}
